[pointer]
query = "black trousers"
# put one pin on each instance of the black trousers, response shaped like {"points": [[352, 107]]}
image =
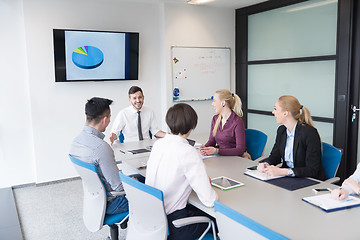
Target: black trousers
{"points": [[188, 232]]}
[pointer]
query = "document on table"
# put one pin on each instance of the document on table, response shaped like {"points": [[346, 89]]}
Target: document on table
{"points": [[260, 175], [328, 204]]}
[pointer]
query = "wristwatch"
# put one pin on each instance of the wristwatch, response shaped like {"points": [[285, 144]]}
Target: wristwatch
{"points": [[291, 172]]}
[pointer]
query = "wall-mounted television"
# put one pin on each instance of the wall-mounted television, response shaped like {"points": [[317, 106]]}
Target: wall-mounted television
{"points": [[87, 55]]}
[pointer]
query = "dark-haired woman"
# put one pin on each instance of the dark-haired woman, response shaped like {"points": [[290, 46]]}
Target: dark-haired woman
{"points": [[297, 145], [176, 168]]}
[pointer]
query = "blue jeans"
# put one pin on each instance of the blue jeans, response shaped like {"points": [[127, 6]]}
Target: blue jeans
{"points": [[120, 203], [117, 205]]}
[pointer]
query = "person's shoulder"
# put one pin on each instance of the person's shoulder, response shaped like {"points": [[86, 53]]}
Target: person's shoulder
{"points": [[146, 109], [215, 117], [307, 130], [281, 129], [236, 117], [127, 109]]}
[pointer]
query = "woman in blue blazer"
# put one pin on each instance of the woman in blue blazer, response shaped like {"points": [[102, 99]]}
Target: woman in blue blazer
{"points": [[297, 145]]}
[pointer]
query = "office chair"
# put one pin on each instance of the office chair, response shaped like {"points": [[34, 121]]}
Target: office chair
{"points": [[330, 160], [147, 215], [255, 142], [233, 225], [95, 200], [121, 136]]}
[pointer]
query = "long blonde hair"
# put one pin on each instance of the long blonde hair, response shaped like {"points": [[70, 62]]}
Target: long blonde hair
{"points": [[234, 103], [291, 104]]}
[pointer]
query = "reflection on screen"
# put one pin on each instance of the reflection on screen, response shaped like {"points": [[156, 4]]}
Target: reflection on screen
{"points": [[224, 182]]}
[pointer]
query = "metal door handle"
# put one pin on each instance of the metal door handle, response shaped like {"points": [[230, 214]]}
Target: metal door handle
{"points": [[354, 109]]}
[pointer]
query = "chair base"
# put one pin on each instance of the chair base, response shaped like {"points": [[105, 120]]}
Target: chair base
{"points": [[114, 232], [123, 225]]}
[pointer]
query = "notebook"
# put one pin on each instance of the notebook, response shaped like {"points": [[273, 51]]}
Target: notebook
{"points": [[328, 204]]}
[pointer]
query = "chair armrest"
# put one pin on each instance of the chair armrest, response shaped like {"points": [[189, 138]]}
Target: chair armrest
{"points": [[333, 180], [190, 220], [117, 193]]}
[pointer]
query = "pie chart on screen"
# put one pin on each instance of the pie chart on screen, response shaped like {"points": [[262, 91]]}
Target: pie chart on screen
{"points": [[87, 57]]}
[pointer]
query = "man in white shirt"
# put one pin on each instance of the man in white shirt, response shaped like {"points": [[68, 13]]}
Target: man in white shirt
{"points": [[135, 121], [176, 168]]}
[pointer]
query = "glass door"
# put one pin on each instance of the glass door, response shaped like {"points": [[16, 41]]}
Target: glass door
{"points": [[297, 48]]}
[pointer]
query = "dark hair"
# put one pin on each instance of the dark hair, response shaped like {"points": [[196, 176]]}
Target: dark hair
{"points": [[135, 89], [96, 108], [181, 118]]}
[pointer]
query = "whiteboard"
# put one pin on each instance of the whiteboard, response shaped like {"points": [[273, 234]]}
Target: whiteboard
{"points": [[197, 72]]}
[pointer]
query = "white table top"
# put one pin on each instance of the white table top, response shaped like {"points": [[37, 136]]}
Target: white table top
{"points": [[276, 208]]}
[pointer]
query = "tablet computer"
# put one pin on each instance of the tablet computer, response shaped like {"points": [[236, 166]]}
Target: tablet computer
{"points": [[225, 183]]}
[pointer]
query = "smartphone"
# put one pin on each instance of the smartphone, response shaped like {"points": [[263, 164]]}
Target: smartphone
{"points": [[316, 190], [252, 168]]}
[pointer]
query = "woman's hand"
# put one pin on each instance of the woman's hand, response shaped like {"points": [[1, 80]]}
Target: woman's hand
{"points": [[274, 171], [207, 150], [262, 166], [339, 194]]}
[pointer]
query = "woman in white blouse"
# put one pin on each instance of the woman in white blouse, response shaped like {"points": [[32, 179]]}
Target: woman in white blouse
{"points": [[176, 168]]}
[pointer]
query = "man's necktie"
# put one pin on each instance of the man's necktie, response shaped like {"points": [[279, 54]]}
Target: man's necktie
{"points": [[139, 127]]}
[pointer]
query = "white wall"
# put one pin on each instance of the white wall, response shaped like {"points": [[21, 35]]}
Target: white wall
{"points": [[58, 108], [46, 128], [198, 26], [16, 145]]}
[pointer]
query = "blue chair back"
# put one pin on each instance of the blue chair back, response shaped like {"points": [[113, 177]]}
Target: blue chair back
{"points": [[147, 217], [94, 195], [255, 142], [95, 198], [121, 136], [232, 224], [331, 157]]}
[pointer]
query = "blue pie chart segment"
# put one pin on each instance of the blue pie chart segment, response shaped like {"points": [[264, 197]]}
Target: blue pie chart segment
{"points": [[87, 57]]}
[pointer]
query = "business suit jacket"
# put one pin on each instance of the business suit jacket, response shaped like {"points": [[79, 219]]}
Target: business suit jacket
{"points": [[306, 151]]}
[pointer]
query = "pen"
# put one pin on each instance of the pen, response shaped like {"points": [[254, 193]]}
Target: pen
{"points": [[347, 200], [122, 151]]}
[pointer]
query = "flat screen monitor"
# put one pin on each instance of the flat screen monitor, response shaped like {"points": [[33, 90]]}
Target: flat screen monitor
{"points": [[87, 55]]}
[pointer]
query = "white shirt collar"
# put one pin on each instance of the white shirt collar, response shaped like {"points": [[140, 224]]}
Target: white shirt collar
{"points": [[291, 134]]}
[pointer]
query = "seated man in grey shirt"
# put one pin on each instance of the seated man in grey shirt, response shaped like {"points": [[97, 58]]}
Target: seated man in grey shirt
{"points": [[90, 147]]}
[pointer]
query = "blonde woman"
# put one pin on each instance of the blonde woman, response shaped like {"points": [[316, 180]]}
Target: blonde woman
{"points": [[227, 136], [297, 145]]}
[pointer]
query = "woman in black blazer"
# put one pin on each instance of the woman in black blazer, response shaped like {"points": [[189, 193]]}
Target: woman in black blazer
{"points": [[297, 145]]}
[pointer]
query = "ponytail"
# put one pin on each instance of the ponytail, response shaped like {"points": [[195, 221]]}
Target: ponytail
{"points": [[291, 104], [234, 103], [305, 117]]}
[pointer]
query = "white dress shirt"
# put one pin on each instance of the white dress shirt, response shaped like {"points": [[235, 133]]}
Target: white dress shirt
{"points": [[176, 168], [289, 147], [355, 177], [127, 119]]}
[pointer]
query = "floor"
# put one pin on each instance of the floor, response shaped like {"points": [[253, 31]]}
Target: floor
{"points": [[54, 211]]}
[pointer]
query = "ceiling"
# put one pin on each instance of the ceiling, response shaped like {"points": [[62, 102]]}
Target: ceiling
{"points": [[232, 4]]}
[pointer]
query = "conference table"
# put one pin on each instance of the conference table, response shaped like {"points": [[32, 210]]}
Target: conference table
{"points": [[281, 210]]}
